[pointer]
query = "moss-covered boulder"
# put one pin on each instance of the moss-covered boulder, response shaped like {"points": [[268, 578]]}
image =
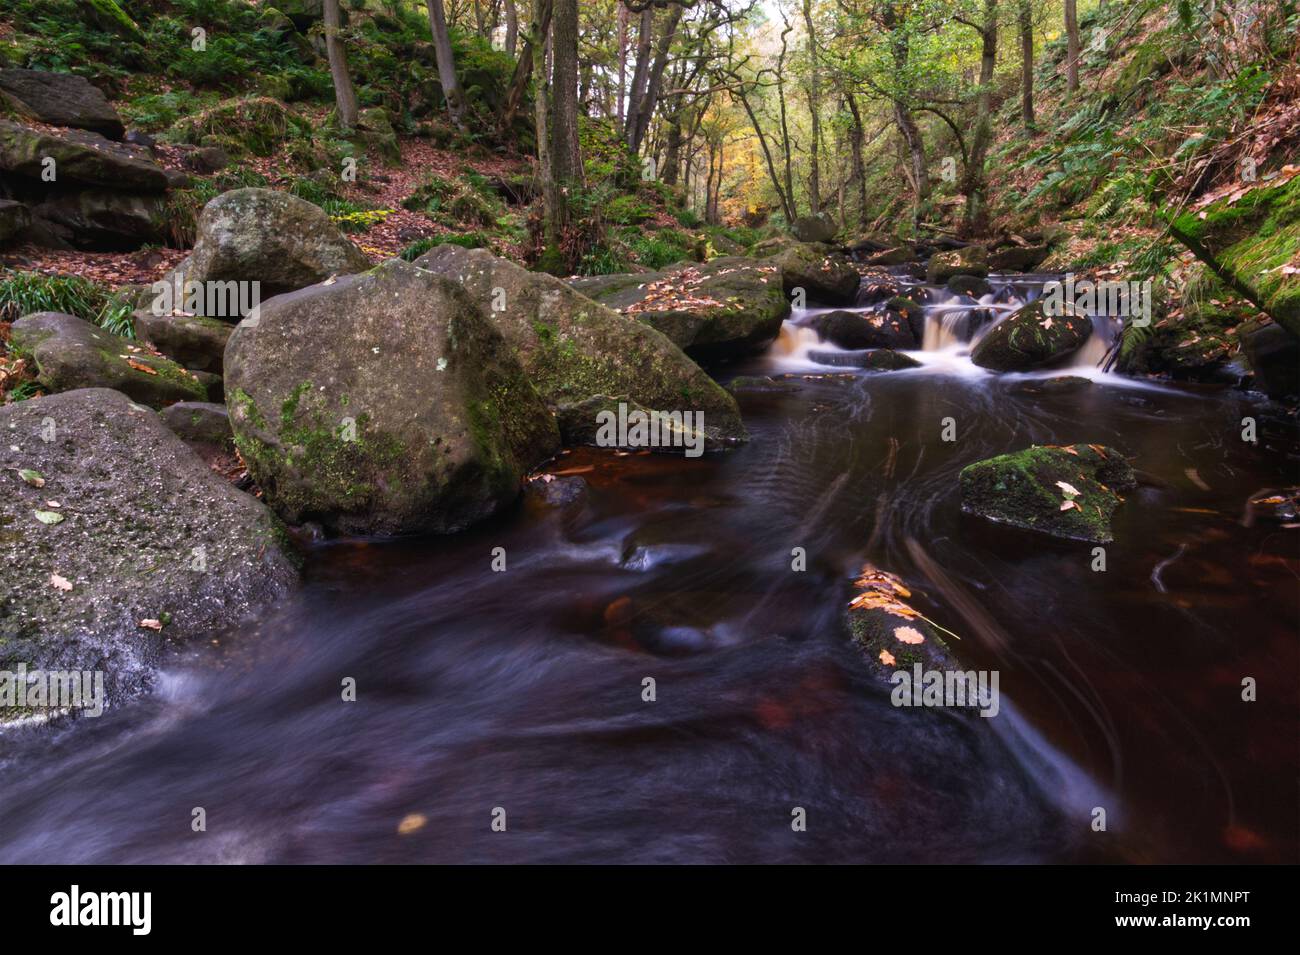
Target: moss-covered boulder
{"points": [[79, 157], [891, 634], [972, 260], [727, 308], [1066, 491], [71, 353], [144, 536], [818, 228], [383, 403], [261, 235], [825, 276], [377, 133], [1030, 338], [254, 124], [1252, 243], [575, 349]]}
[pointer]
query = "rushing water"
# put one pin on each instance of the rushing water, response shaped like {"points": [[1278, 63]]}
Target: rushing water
{"points": [[523, 689]]}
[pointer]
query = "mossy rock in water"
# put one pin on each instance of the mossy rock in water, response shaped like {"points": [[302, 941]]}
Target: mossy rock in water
{"points": [[1064, 491], [878, 328], [383, 403], [891, 634], [1249, 243], [728, 308], [825, 275], [574, 349], [149, 533], [1030, 338], [71, 353], [972, 260]]}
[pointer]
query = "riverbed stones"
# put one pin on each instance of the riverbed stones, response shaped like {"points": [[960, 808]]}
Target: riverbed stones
{"points": [[575, 349], [279, 240], [728, 308], [383, 403], [1068, 491], [145, 536], [71, 353], [1031, 338], [825, 275], [879, 328]]}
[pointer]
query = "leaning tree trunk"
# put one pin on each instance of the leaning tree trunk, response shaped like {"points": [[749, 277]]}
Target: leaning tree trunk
{"points": [[345, 96], [639, 119], [446, 63]]}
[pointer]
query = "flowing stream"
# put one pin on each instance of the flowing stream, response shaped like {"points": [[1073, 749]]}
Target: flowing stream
{"points": [[523, 690]]}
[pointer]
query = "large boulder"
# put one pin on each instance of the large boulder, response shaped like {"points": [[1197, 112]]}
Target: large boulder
{"points": [[1030, 338], [279, 240], [971, 260], [1064, 491], [71, 353], [144, 535], [1275, 359], [105, 218], [61, 99], [575, 349], [724, 309], [80, 157], [383, 403], [1252, 242], [825, 276], [818, 228]]}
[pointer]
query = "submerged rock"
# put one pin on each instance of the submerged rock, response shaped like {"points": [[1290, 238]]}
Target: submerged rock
{"points": [[575, 349], [146, 536], [755, 384], [1064, 491], [874, 359], [1030, 338], [71, 353], [383, 403], [724, 309], [825, 276], [1060, 385]]}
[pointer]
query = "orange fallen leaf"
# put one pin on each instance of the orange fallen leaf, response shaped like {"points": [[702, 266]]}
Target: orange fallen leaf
{"points": [[887, 658], [141, 366], [151, 624]]}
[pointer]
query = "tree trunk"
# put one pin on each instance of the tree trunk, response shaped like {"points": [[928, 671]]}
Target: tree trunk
{"points": [[564, 97], [345, 96], [859, 171], [640, 72], [538, 30], [1027, 63], [975, 185], [814, 106], [1071, 45], [512, 27], [622, 62], [639, 119], [446, 63]]}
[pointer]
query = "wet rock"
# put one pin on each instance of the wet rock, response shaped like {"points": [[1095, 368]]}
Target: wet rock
{"points": [[875, 359], [909, 304], [575, 349], [79, 156], [1275, 358], [901, 255], [556, 490], [192, 340], [148, 533], [279, 240], [727, 308], [1017, 258], [383, 403], [880, 328], [1030, 338], [753, 384], [825, 276], [818, 228], [1064, 491], [891, 634], [972, 285], [972, 260], [1060, 385], [201, 424], [60, 99], [71, 353]]}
